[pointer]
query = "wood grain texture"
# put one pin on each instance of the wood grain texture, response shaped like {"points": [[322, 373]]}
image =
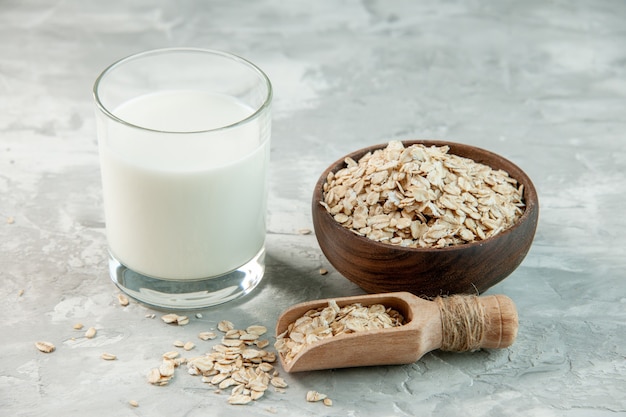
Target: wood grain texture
{"points": [[469, 268], [421, 333]]}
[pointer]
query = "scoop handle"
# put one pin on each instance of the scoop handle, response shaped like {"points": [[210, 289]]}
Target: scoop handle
{"points": [[471, 322]]}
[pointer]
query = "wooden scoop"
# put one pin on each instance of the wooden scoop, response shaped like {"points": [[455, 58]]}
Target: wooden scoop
{"points": [[422, 332]]}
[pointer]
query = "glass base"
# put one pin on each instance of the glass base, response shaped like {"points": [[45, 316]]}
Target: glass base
{"points": [[188, 294]]}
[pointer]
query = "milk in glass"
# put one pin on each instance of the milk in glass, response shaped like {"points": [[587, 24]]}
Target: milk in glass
{"points": [[192, 214]]}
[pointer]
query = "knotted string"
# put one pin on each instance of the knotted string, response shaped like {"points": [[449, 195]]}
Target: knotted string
{"points": [[463, 322]]}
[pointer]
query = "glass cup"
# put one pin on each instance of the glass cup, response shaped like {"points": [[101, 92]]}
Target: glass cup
{"points": [[184, 144]]}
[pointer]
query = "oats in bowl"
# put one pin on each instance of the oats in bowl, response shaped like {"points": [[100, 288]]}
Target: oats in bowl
{"points": [[428, 217], [422, 196]]}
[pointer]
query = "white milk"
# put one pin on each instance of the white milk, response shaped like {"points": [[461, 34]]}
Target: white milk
{"points": [[185, 205]]}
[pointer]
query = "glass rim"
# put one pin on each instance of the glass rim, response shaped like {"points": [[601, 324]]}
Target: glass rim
{"points": [[260, 109]]}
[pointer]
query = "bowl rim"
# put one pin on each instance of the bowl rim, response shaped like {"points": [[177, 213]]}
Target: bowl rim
{"points": [[531, 205]]}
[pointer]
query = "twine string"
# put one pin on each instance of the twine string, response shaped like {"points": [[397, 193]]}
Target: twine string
{"points": [[463, 322]]}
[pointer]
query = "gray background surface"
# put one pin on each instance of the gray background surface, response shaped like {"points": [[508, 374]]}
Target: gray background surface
{"points": [[543, 83]]}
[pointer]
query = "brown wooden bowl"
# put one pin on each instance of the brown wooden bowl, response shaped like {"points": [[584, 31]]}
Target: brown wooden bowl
{"points": [[466, 268]]}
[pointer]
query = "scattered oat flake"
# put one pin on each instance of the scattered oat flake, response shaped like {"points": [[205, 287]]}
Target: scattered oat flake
{"points": [[225, 326], [154, 376], [278, 382], [305, 231], [328, 402], [261, 343], [255, 395], [179, 343], [90, 333], [123, 300], [45, 347], [323, 271], [239, 399], [314, 396], [233, 334], [232, 343], [108, 356], [170, 318], [207, 335], [171, 355], [234, 364], [167, 367], [173, 318], [78, 326], [20, 293], [188, 346], [133, 403], [249, 337], [10, 220], [257, 330]]}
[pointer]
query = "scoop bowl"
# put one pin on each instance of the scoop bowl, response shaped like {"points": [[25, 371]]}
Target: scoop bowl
{"points": [[422, 332]]}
